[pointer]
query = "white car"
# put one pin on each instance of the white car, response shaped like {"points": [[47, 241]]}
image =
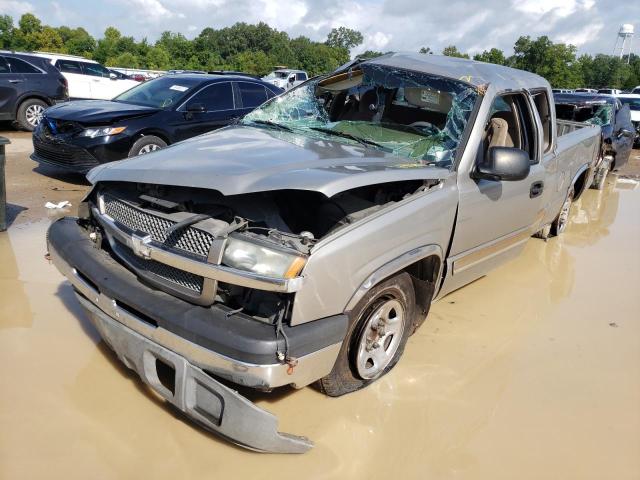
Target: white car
{"points": [[285, 78], [87, 78]]}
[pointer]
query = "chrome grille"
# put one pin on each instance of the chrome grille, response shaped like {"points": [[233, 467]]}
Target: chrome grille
{"points": [[190, 240], [186, 280]]}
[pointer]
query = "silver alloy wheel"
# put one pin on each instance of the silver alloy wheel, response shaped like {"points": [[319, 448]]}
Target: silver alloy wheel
{"points": [[380, 339], [152, 147], [563, 218], [33, 114]]}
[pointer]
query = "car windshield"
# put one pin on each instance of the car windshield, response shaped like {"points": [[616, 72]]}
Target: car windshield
{"points": [[163, 92], [400, 112], [634, 103]]}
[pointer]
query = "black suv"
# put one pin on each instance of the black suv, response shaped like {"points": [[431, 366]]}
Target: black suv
{"points": [[81, 134], [28, 85]]}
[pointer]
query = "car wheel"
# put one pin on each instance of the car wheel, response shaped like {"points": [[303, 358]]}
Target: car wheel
{"points": [[30, 113], [379, 327], [146, 144], [559, 225]]}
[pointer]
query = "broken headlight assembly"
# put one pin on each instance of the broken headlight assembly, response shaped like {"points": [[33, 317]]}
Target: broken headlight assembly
{"points": [[101, 131], [264, 260]]}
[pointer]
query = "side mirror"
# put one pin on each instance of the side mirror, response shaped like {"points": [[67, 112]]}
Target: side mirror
{"points": [[113, 76], [623, 132], [195, 108], [503, 163], [292, 79]]}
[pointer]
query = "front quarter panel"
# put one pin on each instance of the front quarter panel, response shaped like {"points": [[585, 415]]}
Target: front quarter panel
{"points": [[339, 264]]}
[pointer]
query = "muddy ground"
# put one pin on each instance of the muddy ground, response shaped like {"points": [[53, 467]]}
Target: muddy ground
{"points": [[531, 372]]}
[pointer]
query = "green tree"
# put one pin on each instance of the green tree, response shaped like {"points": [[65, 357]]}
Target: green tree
{"points": [[343, 37], [158, 58], [494, 55], [452, 51], [554, 61], [124, 60], [29, 24], [425, 50], [7, 31]]}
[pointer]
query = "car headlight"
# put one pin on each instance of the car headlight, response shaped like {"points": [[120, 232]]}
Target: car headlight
{"points": [[257, 258], [101, 131]]}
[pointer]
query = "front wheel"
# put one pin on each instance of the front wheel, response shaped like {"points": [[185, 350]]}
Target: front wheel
{"points": [[146, 144], [379, 328], [30, 113]]}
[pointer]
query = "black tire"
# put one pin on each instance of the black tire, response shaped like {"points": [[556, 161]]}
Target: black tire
{"points": [[30, 113], [559, 225], [146, 144], [344, 378]]}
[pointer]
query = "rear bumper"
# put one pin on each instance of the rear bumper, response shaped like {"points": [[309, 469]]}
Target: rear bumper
{"points": [[203, 399]]}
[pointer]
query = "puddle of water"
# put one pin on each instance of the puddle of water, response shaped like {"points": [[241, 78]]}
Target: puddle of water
{"points": [[519, 375]]}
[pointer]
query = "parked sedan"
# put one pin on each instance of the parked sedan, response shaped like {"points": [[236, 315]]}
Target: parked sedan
{"points": [[82, 134]]}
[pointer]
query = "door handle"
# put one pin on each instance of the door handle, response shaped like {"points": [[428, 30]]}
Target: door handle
{"points": [[15, 81], [536, 189]]}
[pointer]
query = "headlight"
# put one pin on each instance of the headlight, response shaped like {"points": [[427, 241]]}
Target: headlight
{"points": [[101, 131], [257, 258]]}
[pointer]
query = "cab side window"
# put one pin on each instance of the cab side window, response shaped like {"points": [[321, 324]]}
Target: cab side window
{"points": [[301, 77], [69, 66], [20, 66], [510, 124], [218, 96], [4, 66]]}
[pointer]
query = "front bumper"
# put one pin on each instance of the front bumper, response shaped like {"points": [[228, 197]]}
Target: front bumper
{"points": [[145, 326], [203, 399]]}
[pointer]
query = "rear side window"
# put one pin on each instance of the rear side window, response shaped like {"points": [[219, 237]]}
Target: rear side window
{"points": [[69, 66], [252, 94], [4, 66], [301, 77], [94, 69], [20, 66], [541, 101], [218, 96]]}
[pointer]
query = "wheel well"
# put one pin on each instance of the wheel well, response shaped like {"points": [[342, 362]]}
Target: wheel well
{"points": [[579, 184], [161, 135], [29, 97], [424, 274]]}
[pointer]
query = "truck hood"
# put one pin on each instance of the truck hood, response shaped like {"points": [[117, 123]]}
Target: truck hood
{"points": [[94, 112], [243, 159]]}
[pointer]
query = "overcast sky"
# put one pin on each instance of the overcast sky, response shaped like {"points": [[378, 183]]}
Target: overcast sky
{"points": [[472, 26]]}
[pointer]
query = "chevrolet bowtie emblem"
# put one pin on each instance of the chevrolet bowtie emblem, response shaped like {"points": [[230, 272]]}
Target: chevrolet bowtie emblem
{"points": [[140, 244]]}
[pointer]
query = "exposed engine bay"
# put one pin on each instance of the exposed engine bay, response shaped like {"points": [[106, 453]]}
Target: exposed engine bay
{"points": [[281, 227]]}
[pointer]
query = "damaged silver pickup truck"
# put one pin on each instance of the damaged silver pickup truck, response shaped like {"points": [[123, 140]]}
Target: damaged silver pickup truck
{"points": [[306, 243]]}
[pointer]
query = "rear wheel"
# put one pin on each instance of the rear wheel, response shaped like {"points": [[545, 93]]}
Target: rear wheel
{"points": [[559, 225], [146, 144], [30, 113], [379, 328]]}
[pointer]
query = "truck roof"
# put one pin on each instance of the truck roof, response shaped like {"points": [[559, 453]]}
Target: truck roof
{"points": [[469, 71]]}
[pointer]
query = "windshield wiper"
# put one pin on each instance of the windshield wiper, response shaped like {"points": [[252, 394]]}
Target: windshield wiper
{"points": [[269, 123], [361, 141]]}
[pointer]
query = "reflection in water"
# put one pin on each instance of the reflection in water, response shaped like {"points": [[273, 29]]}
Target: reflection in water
{"points": [[514, 376], [14, 307]]}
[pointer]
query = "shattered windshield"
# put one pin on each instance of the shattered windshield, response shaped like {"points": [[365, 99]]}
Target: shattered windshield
{"points": [[601, 115], [403, 113]]}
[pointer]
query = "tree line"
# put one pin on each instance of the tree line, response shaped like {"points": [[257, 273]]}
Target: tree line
{"points": [[257, 49]]}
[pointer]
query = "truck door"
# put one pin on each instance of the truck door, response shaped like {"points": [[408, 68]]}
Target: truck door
{"points": [[496, 217], [623, 143]]}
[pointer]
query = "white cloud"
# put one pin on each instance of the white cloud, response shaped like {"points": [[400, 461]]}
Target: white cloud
{"points": [[15, 7]]}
